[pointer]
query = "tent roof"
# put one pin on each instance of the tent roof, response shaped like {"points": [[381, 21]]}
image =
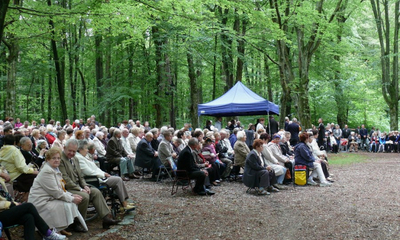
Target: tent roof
{"points": [[238, 101]]}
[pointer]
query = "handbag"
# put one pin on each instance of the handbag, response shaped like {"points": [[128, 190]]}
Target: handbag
{"points": [[288, 175], [300, 175]]}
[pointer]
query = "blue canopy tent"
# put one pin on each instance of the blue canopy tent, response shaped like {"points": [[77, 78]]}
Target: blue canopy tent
{"points": [[238, 101]]}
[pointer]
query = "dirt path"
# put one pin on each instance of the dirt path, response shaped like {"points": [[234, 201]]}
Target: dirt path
{"points": [[363, 203]]}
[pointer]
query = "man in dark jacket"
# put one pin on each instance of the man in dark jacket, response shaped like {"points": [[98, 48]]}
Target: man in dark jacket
{"points": [[321, 133], [187, 162], [364, 135], [115, 153], [273, 126], [294, 129], [146, 156]]}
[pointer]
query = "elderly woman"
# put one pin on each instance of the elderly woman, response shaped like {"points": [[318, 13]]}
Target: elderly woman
{"points": [[269, 160], [98, 145], [59, 142], [353, 142], [12, 213], [337, 134], [256, 174], [176, 144], [304, 156], [321, 154], [89, 168], [212, 163], [135, 135], [241, 150], [14, 162], [201, 162], [54, 204], [50, 136], [222, 156], [79, 135], [35, 136], [41, 147]]}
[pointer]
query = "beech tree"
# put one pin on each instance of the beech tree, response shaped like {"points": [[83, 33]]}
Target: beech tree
{"points": [[388, 34]]}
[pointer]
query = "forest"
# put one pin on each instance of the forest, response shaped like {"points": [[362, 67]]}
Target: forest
{"points": [[156, 60]]}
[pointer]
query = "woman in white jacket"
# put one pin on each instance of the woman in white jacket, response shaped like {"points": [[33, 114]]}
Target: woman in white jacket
{"points": [[319, 154], [55, 205], [270, 160], [89, 168], [98, 145]]}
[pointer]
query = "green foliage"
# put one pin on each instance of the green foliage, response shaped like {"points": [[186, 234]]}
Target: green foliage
{"points": [[128, 53]]}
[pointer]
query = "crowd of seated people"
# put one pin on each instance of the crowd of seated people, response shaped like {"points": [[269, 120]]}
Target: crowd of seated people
{"points": [[334, 139], [211, 156]]}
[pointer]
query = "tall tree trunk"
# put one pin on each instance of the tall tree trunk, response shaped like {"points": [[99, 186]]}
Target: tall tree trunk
{"points": [[3, 14], [340, 96], [194, 90], [169, 80], [226, 51], [50, 112], [131, 100], [99, 71], [303, 61], [84, 91], [215, 67], [285, 62], [3, 73], [286, 77], [390, 84], [12, 61], [42, 91], [160, 72], [109, 113], [241, 50], [268, 80], [59, 66]]}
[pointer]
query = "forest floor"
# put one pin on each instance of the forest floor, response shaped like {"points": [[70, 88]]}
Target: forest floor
{"points": [[363, 203]]}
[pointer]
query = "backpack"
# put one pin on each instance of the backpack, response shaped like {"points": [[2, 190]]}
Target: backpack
{"points": [[300, 175]]}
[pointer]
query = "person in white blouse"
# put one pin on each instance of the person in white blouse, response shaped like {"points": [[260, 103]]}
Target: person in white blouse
{"points": [[270, 160], [136, 134], [319, 154], [60, 140], [98, 145], [89, 168]]}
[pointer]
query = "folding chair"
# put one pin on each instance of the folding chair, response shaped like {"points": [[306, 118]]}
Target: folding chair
{"points": [[162, 168], [181, 177]]}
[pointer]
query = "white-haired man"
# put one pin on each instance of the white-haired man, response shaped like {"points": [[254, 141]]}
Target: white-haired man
{"points": [[127, 147], [146, 156], [76, 184], [116, 154]]}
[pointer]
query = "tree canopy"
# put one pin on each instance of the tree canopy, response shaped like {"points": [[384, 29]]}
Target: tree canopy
{"points": [[156, 60]]}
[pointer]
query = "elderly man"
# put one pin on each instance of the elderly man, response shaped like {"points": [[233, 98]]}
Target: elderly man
{"points": [[277, 153], [134, 137], [294, 129], [128, 149], [76, 184], [116, 154], [187, 162], [29, 155], [165, 149], [226, 143], [146, 156]]}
